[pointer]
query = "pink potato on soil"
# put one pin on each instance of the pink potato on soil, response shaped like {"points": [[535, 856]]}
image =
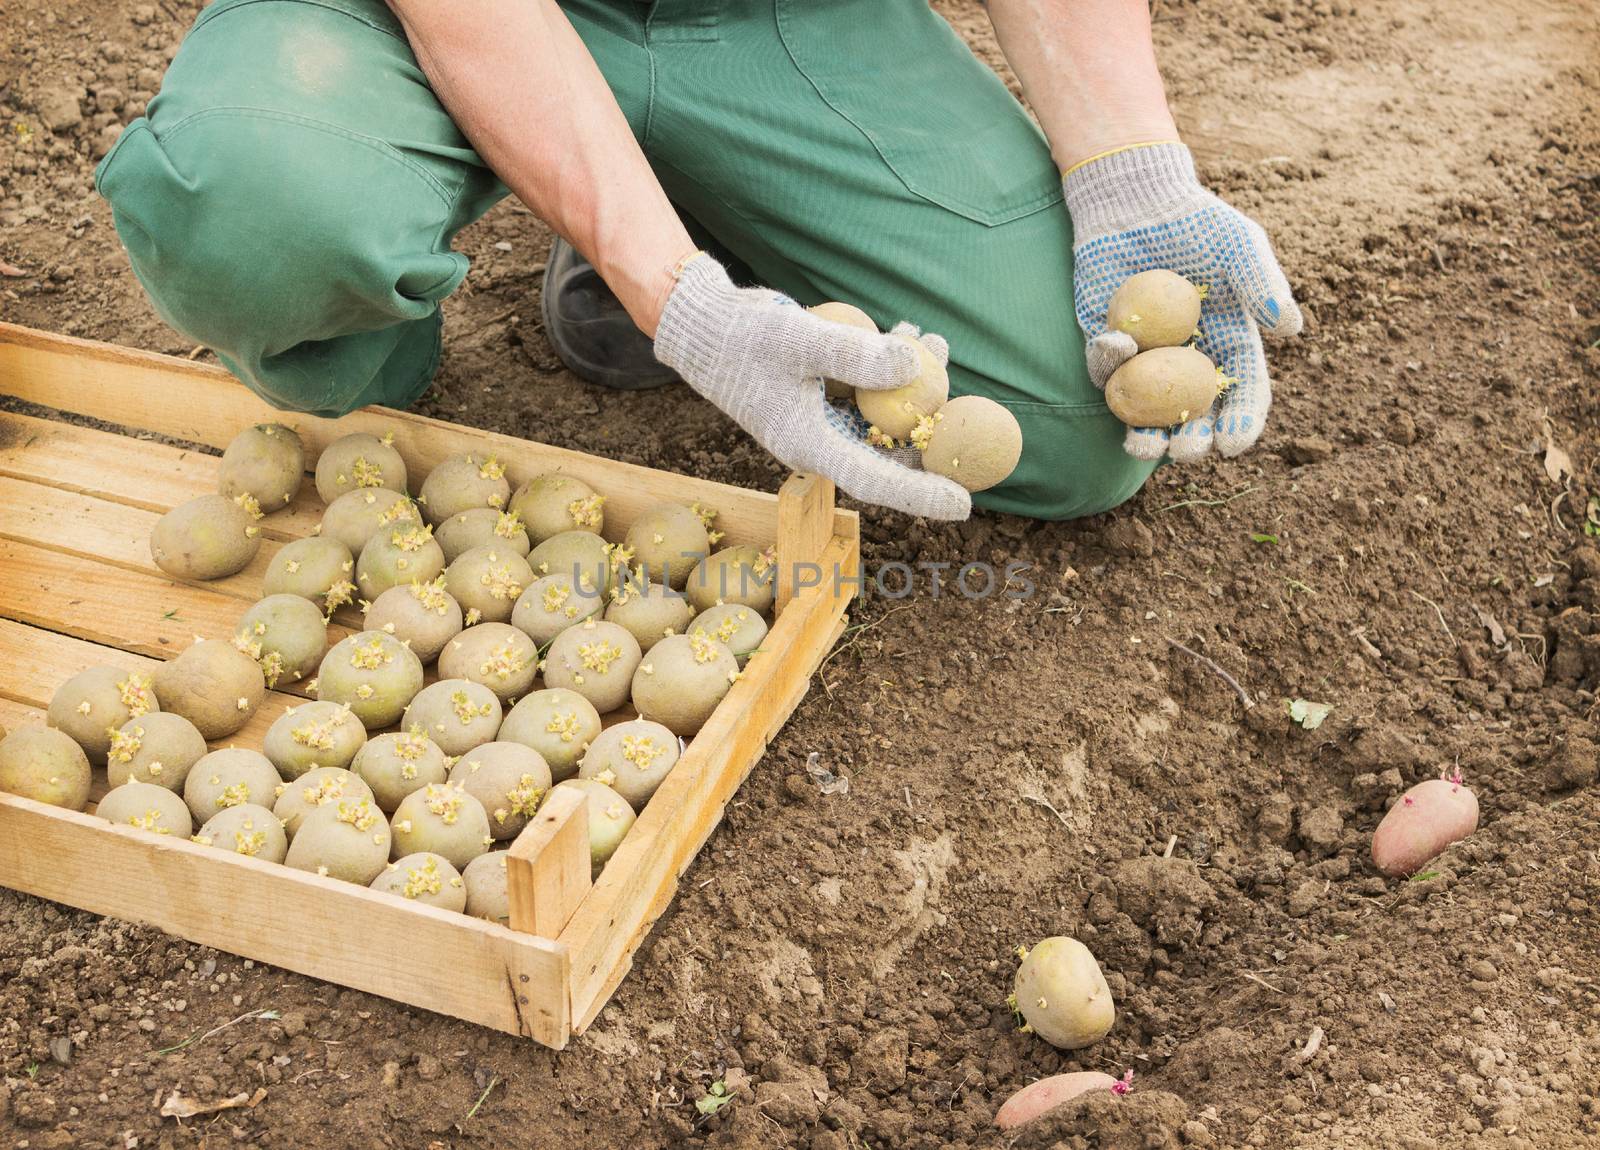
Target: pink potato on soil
{"points": [[1429, 817], [1048, 1093]]}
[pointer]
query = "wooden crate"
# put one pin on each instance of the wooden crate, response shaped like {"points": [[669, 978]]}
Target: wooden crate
{"points": [[78, 588]]}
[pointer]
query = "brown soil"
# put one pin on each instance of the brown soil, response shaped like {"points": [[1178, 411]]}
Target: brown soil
{"points": [[1431, 172]]}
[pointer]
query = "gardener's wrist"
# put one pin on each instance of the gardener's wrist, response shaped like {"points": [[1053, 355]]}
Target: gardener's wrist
{"points": [[1129, 185]]}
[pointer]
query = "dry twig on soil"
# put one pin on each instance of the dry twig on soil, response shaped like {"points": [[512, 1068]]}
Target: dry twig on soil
{"points": [[1212, 665]]}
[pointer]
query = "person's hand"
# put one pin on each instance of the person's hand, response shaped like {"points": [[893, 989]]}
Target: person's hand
{"points": [[761, 358], [1140, 209]]}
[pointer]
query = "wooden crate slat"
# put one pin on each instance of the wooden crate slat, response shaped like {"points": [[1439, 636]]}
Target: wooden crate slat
{"points": [[638, 882], [336, 931], [135, 472], [204, 404]]}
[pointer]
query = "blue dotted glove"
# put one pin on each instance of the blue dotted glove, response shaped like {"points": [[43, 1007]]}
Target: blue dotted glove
{"points": [[1140, 209]]}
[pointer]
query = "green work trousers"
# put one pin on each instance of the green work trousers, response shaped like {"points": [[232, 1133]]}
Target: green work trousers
{"points": [[290, 198]]}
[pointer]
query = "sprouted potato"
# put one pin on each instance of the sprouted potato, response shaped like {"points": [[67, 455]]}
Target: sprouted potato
{"points": [[666, 542], [356, 516], [375, 674], [323, 734], [426, 878], [739, 628], [424, 616], [631, 758], [316, 788], [482, 527], [208, 537], [497, 655], [247, 829], [487, 581], [558, 724], [550, 504], [345, 839], [552, 603], [610, 820], [1158, 308], [213, 685], [894, 412], [594, 659], [266, 462], [649, 611], [147, 807], [462, 483], [1063, 996], [286, 635], [318, 569], [745, 575], [231, 777], [46, 766], [683, 680], [93, 703], [358, 461], [444, 819], [457, 714], [159, 747], [397, 763]]}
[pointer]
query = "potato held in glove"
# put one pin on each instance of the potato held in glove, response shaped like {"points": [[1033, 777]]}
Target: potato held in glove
{"points": [[1157, 308], [1163, 387], [972, 440]]}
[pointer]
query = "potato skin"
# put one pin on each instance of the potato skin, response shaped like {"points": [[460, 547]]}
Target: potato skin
{"points": [[209, 537], [1046, 1094], [1158, 308], [745, 575], [461, 483], [488, 894], [357, 461], [45, 765], [895, 412], [974, 441], [148, 807], [552, 503], [213, 685], [1163, 387], [666, 543], [112, 697], [649, 611], [266, 462], [610, 820], [318, 569], [1427, 818], [159, 747], [682, 681], [1062, 993], [375, 674]]}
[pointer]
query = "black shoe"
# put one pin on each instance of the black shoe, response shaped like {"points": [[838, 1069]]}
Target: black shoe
{"points": [[591, 331]]}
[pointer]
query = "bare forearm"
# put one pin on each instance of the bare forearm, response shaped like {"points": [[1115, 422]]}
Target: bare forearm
{"points": [[524, 89], [1088, 69]]}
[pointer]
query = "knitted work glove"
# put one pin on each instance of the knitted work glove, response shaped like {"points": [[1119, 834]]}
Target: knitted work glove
{"points": [[760, 357], [1140, 209]]}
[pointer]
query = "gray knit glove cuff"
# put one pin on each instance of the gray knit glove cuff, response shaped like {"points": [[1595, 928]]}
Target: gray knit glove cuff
{"points": [[760, 357]]}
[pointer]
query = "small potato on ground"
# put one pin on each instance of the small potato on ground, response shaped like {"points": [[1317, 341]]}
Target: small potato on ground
{"points": [[559, 724], [248, 829], [397, 763], [45, 765], [147, 807], [666, 542], [356, 516], [159, 747], [482, 527], [610, 820], [321, 734], [745, 575], [442, 818], [462, 483], [208, 537], [683, 680], [594, 659], [234, 776], [266, 462], [509, 779], [395, 557], [497, 655], [974, 441], [552, 603], [316, 788], [1163, 387], [632, 759], [1158, 308], [93, 703], [552, 503], [426, 878], [1427, 818], [345, 839], [1063, 996], [487, 582], [424, 616], [321, 570], [375, 674], [212, 684], [286, 636], [457, 714], [358, 461]]}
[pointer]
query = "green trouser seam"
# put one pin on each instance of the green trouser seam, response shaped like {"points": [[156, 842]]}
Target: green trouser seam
{"points": [[219, 10]]}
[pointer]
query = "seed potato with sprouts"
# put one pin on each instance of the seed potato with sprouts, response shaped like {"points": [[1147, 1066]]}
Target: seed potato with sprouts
{"points": [[248, 829], [148, 807], [649, 611], [509, 779], [462, 483], [316, 788], [739, 628], [552, 603], [400, 762], [683, 680], [266, 462], [666, 542], [317, 569], [231, 777], [1047, 1093], [895, 412], [1063, 996], [610, 820], [358, 461], [286, 636], [579, 555], [745, 575], [424, 616], [375, 674], [159, 747], [558, 724], [632, 759], [1163, 387], [356, 516], [550, 504], [482, 527], [851, 316], [457, 714], [208, 537], [311, 735], [426, 878], [444, 819], [345, 839], [487, 582], [212, 684], [396, 557], [488, 889], [45, 765], [1424, 821], [972, 440], [93, 703], [1158, 308], [595, 659], [497, 655]]}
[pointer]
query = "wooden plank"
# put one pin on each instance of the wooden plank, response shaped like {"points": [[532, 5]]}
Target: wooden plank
{"points": [[805, 527], [133, 472], [547, 868], [204, 404], [338, 932], [37, 662], [638, 882]]}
